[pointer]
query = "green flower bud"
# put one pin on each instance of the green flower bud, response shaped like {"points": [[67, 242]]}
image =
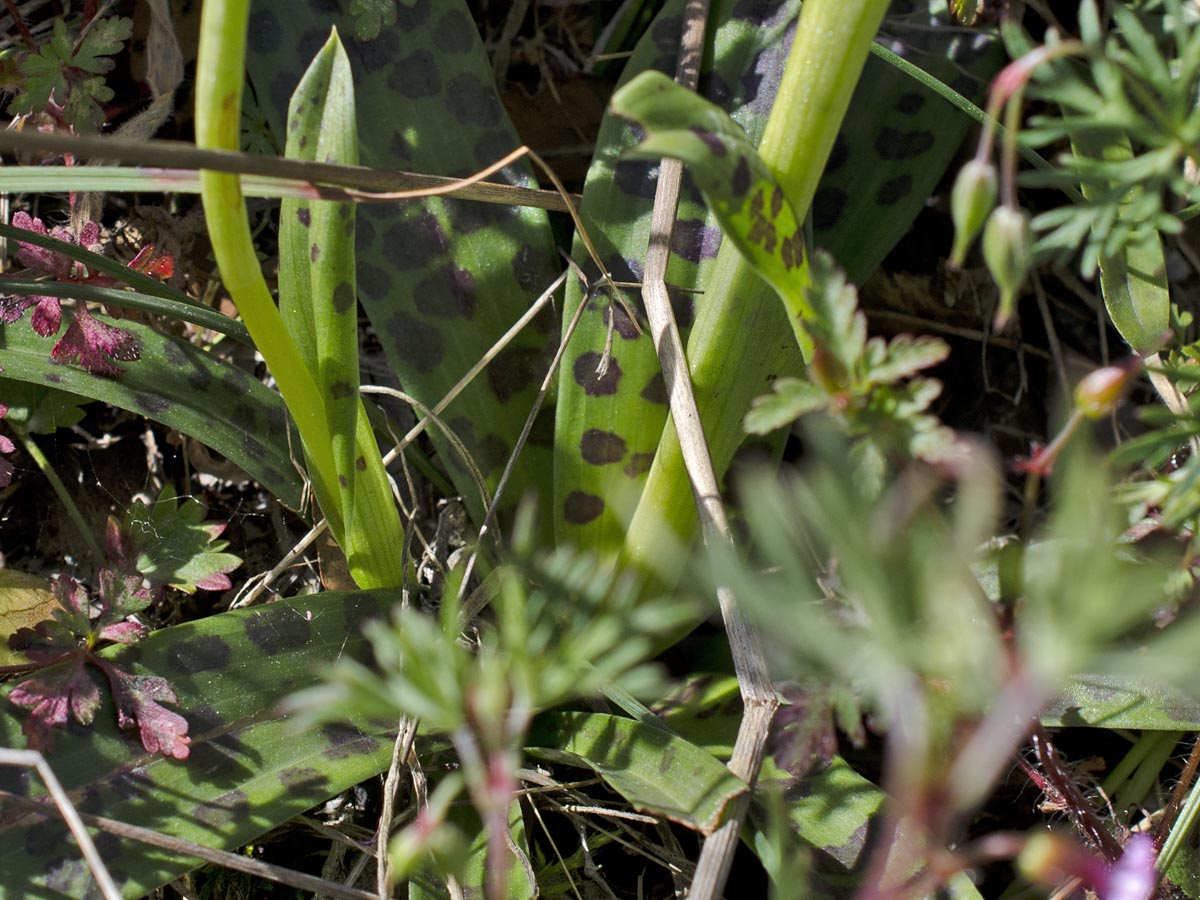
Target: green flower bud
{"points": [[972, 199], [1008, 252]]}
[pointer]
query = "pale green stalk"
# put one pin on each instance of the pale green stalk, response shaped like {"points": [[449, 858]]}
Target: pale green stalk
{"points": [[219, 85], [832, 42], [375, 556]]}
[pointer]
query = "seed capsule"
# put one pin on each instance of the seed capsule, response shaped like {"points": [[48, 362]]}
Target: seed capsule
{"points": [[1008, 252], [971, 200]]}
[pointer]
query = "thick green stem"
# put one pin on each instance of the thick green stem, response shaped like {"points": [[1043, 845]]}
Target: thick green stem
{"points": [[219, 85], [728, 362]]}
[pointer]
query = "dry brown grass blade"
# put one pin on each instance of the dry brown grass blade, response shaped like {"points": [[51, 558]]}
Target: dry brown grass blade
{"points": [[758, 695]]}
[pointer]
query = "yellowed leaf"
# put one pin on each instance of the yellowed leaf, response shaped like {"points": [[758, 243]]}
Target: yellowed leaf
{"points": [[25, 600]]}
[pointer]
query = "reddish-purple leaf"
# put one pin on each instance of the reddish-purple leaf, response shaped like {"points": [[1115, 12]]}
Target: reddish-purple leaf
{"points": [[124, 632], [95, 344], [52, 697], [6, 446], [138, 700]]}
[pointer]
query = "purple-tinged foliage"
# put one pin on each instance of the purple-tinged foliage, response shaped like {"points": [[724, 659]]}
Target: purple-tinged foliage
{"points": [[6, 446], [94, 344]]}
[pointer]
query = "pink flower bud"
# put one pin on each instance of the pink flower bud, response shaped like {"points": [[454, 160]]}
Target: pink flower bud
{"points": [[1099, 392]]}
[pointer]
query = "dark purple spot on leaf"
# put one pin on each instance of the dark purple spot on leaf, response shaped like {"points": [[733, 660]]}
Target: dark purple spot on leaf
{"points": [[360, 464], [343, 481], [715, 145], [345, 741], [253, 447], [492, 453], [411, 13], [594, 384], [414, 242], [53, 378], [683, 305], [740, 183], [341, 390], [600, 447], [418, 345], [637, 178], [174, 354], [303, 778], [694, 241], [893, 190], [454, 33], [200, 379], [714, 86], [445, 293], [373, 281], [752, 10], [343, 298], [827, 206], [639, 464], [493, 146], [580, 508], [655, 390], [304, 216], [791, 249], [838, 155], [910, 104], [416, 76], [274, 631], [472, 102], [893, 144], [315, 253], [152, 404], [516, 369], [776, 201], [231, 807], [203, 653]]}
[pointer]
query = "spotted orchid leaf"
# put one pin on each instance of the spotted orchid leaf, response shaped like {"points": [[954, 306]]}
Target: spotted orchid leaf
{"points": [[319, 307], [612, 402], [440, 280], [248, 769], [655, 770], [751, 206], [184, 388]]}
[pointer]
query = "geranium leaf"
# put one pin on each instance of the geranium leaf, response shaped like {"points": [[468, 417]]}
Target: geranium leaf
{"points": [[172, 545]]}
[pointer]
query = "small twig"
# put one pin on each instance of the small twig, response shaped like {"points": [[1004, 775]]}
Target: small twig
{"points": [[331, 181], [33, 759], [758, 695], [235, 861], [400, 751]]}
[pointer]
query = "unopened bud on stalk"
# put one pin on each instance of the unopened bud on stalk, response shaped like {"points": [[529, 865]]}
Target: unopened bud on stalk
{"points": [[1008, 252], [971, 200], [1099, 392]]}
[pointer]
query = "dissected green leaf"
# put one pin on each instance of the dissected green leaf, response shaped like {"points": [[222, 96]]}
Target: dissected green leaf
{"points": [[248, 769], [370, 16], [40, 409], [174, 546], [655, 770]]}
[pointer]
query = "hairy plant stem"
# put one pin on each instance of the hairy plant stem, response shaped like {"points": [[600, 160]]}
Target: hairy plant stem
{"points": [[730, 362]]}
